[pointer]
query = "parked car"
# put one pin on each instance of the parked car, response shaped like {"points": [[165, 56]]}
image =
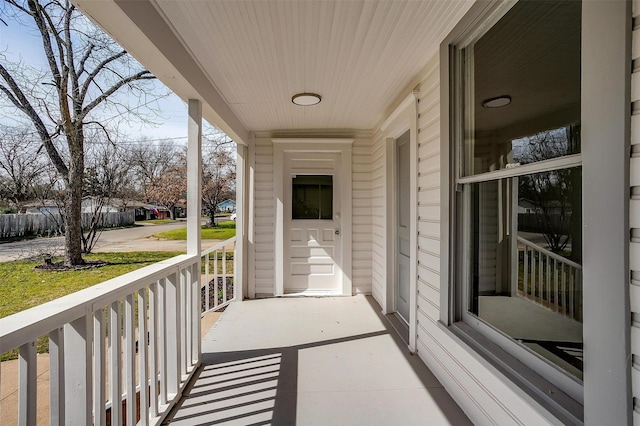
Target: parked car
{"points": [[233, 216]]}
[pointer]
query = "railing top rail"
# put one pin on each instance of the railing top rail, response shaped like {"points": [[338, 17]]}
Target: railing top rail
{"points": [[25, 326], [550, 253], [218, 246]]}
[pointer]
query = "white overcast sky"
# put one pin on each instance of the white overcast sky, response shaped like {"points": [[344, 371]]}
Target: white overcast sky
{"points": [[20, 43]]}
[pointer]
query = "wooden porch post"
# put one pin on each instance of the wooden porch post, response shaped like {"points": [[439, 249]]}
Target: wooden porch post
{"points": [[194, 177]]}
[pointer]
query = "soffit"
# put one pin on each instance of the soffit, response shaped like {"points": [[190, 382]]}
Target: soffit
{"points": [[358, 55]]}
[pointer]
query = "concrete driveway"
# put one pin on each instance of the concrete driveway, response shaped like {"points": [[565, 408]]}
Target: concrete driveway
{"points": [[119, 240]]}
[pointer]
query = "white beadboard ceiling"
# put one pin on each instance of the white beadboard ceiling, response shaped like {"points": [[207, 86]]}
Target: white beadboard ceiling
{"points": [[358, 55]]}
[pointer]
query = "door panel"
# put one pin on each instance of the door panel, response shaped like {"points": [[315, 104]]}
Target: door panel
{"points": [[312, 226]]}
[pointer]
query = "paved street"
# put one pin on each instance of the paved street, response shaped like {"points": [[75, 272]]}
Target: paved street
{"points": [[129, 239]]}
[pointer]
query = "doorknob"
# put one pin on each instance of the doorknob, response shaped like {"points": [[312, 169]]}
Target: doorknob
{"points": [[337, 232]]}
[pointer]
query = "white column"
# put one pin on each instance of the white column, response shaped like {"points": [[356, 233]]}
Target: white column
{"points": [[194, 176], [240, 260]]}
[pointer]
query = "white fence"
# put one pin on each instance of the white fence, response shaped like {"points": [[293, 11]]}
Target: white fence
{"points": [[19, 225], [551, 280]]}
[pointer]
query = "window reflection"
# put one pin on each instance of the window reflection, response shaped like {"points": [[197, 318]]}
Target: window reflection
{"points": [[526, 272], [312, 197]]}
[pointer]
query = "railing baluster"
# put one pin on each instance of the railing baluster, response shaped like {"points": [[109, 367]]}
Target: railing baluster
{"points": [[540, 276], [182, 321], [224, 274], [129, 359], [215, 278], [555, 285], [173, 339], [163, 340], [143, 362], [27, 391], [153, 349], [187, 320], [564, 291], [56, 377], [115, 386], [77, 370], [207, 303], [195, 315], [548, 275], [572, 306], [99, 385], [525, 279], [533, 274]]}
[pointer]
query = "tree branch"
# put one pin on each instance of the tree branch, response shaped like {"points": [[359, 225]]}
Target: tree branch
{"points": [[17, 97], [142, 75], [96, 71]]}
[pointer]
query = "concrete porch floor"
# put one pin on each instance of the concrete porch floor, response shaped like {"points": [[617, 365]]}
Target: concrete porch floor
{"points": [[311, 361]]}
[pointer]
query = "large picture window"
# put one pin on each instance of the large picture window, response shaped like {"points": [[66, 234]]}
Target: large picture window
{"points": [[518, 186]]}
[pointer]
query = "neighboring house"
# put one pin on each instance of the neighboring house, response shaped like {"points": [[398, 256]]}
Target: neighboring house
{"points": [[389, 185], [227, 206]]}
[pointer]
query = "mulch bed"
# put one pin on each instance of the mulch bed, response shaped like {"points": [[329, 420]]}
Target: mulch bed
{"points": [[60, 266]]}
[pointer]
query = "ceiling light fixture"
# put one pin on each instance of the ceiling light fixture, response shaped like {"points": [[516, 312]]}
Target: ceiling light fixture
{"points": [[306, 99], [497, 102]]}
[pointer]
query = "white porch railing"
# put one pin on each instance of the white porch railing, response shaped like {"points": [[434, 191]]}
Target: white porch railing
{"points": [[218, 279], [550, 280], [102, 368]]}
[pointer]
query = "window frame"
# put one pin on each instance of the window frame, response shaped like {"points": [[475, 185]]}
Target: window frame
{"points": [[607, 340]]}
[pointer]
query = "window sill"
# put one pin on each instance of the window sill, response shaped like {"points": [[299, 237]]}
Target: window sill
{"points": [[531, 385]]}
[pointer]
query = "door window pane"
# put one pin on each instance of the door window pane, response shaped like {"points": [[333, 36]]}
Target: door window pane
{"points": [[312, 197]]}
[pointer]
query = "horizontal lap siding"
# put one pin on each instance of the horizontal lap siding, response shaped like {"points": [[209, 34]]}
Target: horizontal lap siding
{"points": [[483, 393], [429, 199], [378, 218], [634, 214], [264, 218], [361, 212]]}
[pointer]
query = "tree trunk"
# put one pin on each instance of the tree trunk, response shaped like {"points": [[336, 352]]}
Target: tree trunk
{"points": [[73, 204]]}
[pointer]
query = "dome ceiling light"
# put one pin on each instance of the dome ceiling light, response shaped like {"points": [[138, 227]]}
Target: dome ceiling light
{"points": [[497, 102], [306, 99]]}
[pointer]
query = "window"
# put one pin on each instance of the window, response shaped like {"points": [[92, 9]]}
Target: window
{"points": [[518, 187], [312, 197]]}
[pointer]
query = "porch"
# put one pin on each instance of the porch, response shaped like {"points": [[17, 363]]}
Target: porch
{"points": [[311, 361]]}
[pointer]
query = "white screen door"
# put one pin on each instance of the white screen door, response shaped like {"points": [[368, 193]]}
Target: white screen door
{"points": [[312, 223]]}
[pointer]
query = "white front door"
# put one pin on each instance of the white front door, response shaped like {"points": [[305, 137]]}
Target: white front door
{"points": [[312, 223], [403, 227]]}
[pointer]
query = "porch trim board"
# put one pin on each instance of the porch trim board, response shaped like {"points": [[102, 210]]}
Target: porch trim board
{"points": [[320, 145]]}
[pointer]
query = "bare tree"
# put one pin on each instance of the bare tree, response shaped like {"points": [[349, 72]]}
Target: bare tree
{"points": [[107, 176], [218, 175], [150, 161], [556, 194], [85, 72], [21, 166], [170, 186]]}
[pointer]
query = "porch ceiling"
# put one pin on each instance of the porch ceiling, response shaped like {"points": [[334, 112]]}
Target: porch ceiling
{"points": [[360, 56]]}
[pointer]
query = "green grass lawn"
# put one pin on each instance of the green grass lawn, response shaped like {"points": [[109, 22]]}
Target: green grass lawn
{"points": [[223, 231], [22, 287]]}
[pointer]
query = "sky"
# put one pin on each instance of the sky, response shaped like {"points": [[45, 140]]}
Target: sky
{"points": [[18, 42]]}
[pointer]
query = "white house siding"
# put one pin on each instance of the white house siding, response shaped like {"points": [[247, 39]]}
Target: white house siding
{"points": [[485, 395], [378, 216], [634, 214], [264, 217], [362, 219]]}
